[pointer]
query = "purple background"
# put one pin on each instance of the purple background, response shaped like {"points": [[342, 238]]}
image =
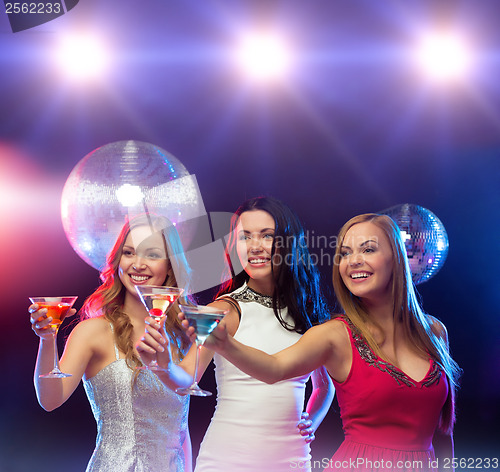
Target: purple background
{"points": [[353, 128]]}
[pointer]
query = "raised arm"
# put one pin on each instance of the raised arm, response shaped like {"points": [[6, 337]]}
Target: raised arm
{"points": [[52, 393], [317, 347]]}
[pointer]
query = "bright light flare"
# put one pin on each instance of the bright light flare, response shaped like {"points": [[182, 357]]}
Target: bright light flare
{"points": [[129, 195], [444, 57], [263, 57], [82, 57]]}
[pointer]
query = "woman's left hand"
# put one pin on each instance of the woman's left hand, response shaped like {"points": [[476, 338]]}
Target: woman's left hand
{"points": [[218, 339], [305, 428], [188, 330]]}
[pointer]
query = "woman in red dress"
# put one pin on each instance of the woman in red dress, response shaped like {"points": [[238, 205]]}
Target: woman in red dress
{"points": [[389, 361]]}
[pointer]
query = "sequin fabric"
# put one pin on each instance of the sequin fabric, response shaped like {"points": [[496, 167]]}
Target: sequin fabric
{"points": [[249, 295], [140, 428], [371, 359]]}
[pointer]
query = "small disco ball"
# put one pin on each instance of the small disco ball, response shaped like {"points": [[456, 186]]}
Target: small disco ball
{"points": [[425, 239], [119, 181]]}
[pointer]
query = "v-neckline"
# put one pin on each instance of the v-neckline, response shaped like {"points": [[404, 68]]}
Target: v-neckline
{"points": [[429, 370], [359, 338]]}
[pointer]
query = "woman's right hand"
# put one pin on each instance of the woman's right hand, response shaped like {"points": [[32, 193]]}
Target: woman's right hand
{"points": [[218, 339], [40, 322]]}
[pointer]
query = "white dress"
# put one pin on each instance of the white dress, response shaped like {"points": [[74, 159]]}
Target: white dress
{"points": [[254, 427]]}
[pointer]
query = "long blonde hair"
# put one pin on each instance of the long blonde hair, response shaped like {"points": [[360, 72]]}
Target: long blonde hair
{"points": [[108, 298], [415, 322]]}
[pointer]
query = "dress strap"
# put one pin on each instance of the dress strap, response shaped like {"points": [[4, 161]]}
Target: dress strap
{"points": [[117, 353], [232, 302], [350, 331]]}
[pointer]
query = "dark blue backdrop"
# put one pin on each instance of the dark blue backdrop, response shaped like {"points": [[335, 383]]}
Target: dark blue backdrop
{"points": [[353, 128]]}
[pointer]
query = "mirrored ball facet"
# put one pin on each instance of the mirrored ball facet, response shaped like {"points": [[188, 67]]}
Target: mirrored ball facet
{"points": [[425, 239], [121, 180]]}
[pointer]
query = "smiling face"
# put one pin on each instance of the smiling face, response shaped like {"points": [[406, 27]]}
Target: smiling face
{"points": [[366, 264], [255, 236], [143, 260]]}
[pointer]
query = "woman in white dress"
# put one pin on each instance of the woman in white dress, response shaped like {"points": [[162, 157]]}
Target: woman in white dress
{"points": [[270, 305]]}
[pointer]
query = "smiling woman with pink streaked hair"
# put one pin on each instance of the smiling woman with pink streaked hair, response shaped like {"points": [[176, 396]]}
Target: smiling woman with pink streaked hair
{"points": [[141, 424]]}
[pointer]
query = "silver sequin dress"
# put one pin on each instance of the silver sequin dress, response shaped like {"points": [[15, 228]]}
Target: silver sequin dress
{"points": [[140, 428]]}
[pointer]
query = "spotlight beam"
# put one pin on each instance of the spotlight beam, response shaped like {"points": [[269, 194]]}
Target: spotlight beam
{"points": [[81, 57], [443, 57], [263, 56]]}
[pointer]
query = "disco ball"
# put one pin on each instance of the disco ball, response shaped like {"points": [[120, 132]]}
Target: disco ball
{"points": [[121, 180], [425, 239]]}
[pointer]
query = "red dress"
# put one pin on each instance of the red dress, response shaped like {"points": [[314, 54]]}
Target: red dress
{"points": [[388, 418]]}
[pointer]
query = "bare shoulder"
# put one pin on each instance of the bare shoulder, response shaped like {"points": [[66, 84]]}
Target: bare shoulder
{"points": [[340, 334], [438, 328], [337, 327], [92, 325], [224, 304], [91, 330], [333, 337], [334, 330], [94, 338]]}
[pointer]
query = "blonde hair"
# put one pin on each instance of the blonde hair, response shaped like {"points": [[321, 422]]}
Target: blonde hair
{"points": [[108, 298], [415, 322]]}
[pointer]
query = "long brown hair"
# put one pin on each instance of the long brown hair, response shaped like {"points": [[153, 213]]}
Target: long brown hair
{"points": [[296, 280], [108, 298], [417, 325]]}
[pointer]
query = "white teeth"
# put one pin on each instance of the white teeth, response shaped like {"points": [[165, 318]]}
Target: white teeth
{"points": [[258, 261], [359, 276], [139, 278]]}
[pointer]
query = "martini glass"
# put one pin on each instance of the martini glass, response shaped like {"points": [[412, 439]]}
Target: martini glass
{"points": [[203, 319], [57, 308], [157, 299]]}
